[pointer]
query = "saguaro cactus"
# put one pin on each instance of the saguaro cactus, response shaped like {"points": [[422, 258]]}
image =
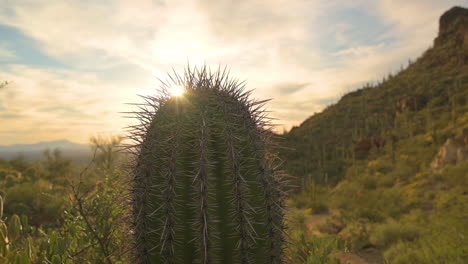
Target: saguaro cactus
{"points": [[206, 188]]}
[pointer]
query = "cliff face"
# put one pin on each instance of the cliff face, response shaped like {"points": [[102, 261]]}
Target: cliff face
{"points": [[453, 24]]}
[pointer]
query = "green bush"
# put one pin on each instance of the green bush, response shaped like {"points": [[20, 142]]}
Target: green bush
{"points": [[309, 249], [355, 201], [303, 246], [368, 181], [314, 197], [36, 229], [37, 200], [331, 226], [456, 176], [298, 217], [356, 235], [427, 252], [384, 235]]}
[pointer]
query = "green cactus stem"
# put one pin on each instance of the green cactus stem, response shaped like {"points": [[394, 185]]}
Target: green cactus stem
{"points": [[205, 185]]}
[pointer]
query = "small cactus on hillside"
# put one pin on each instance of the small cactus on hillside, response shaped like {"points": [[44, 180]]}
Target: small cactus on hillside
{"points": [[205, 186]]}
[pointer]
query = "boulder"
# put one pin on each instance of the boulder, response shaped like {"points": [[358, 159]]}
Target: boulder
{"points": [[410, 103], [363, 146], [454, 151]]}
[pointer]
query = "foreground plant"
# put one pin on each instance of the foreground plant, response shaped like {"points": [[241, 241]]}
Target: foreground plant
{"points": [[206, 189]]}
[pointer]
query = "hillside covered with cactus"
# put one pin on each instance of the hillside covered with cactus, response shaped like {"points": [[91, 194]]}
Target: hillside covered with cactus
{"points": [[387, 165], [423, 98]]}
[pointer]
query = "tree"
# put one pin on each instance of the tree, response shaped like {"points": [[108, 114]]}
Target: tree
{"points": [[3, 84]]}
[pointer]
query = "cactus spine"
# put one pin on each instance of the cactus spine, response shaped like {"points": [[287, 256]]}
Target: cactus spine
{"points": [[205, 188]]}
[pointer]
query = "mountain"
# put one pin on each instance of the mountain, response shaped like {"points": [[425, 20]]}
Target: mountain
{"points": [[35, 151], [41, 146], [385, 169], [426, 96]]}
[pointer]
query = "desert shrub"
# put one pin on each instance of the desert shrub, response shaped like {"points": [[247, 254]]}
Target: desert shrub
{"points": [[385, 235], [304, 247], [439, 235], [37, 200], [356, 235], [370, 214], [376, 205], [417, 193], [356, 170], [56, 168], [19, 163], [309, 249], [415, 153], [386, 181], [313, 196], [456, 175], [404, 252], [426, 252], [332, 225], [390, 202], [416, 216], [403, 171], [297, 218], [344, 195], [368, 181], [382, 165]]}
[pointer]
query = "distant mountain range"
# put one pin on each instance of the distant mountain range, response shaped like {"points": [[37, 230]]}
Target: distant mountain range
{"points": [[35, 151]]}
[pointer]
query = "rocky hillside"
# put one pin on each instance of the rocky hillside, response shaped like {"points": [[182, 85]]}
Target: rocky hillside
{"points": [[423, 98], [385, 170]]}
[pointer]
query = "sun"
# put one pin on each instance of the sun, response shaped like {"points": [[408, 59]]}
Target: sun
{"points": [[176, 90]]}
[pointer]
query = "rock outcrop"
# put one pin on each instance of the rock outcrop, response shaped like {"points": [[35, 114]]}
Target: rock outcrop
{"points": [[410, 103], [363, 146], [454, 151], [453, 24]]}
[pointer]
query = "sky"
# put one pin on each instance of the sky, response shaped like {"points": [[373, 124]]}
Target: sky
{"points": [[73, 65]]}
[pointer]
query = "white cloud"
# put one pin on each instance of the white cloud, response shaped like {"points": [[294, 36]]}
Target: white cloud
{"points": [[415, 22], [416, 15], [48, 104], [361, 50], [269, 43], [6, 53]]}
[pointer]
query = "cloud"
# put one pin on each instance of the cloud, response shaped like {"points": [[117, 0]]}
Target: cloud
{"points": [[303, 54], [415, 22], [76, 30], [257, 19], [360, 50], [9, 116], [62, 104], [6, 53], [289, 88], [66, 112]]}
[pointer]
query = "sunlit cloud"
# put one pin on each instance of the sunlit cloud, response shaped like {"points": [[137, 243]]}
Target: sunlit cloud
{"points": [[74, 64]]}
